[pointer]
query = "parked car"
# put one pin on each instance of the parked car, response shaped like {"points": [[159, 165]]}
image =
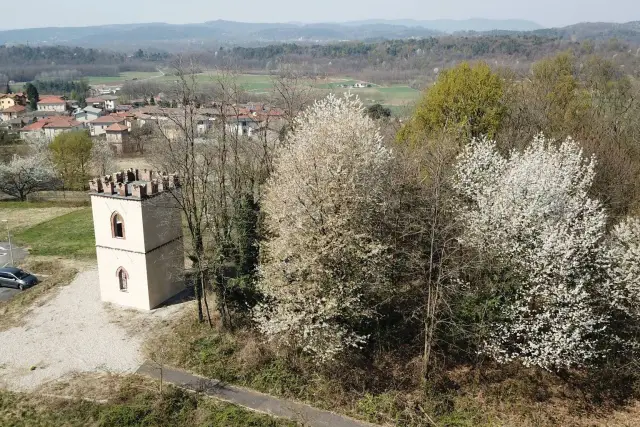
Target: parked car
{"points": [[11, 277]]}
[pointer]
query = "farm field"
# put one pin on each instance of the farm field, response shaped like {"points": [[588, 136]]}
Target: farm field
{"points": [[258, 84], [395, 95]]}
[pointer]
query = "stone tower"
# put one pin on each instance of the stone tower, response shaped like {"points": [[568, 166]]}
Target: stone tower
{"points": [[138, 228]]}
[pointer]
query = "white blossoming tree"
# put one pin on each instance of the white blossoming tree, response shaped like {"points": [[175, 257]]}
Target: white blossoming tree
{"points": [[26, 175], [324, 263], [531, 213], [624, 259]]}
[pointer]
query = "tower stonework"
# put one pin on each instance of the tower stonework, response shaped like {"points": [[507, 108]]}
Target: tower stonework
{"points": [[138, 228]]}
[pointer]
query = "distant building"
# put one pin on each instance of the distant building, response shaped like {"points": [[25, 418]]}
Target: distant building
{"points": [[52, 103], [88, 114], [243, 125], [118, 137], [138, 232], [96, 102], [49, 128], [11, 100], [13, 112], [110, 102], [99, 126]]}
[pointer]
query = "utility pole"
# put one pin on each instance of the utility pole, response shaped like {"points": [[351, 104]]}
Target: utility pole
{"points": [[6, 221]]}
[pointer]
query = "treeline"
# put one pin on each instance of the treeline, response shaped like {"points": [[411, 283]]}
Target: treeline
{"points": [[416, 61], [62, 87], [24, 63]]}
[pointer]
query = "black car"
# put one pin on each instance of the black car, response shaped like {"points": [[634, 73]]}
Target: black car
{"points": [[11, 277]]}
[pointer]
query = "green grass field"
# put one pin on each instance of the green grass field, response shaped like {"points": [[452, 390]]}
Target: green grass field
{"points": [[69, 235]]}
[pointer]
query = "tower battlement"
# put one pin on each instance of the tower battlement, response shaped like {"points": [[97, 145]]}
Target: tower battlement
{"points": [[134, 183]]}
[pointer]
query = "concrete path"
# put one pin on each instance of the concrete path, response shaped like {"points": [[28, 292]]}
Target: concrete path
{"points": [[300, 412]]}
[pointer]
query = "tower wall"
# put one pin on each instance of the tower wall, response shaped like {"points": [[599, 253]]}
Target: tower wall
{"points": [[137, 293], [151, 252], [165, 268]]}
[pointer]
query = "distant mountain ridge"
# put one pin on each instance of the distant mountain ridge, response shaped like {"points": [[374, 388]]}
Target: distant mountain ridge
{"points": [[220, 32], [453, 25]]}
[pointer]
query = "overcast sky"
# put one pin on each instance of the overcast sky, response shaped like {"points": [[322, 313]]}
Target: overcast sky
{"points": [[48, 13]]}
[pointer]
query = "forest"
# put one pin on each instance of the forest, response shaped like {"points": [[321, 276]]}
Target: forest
{"points": [[24, 63]]}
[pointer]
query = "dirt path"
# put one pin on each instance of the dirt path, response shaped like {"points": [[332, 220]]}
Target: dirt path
{"points": [[74, 332]]}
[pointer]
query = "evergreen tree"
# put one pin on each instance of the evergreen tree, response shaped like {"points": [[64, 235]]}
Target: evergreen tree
{"points": [[32, 95]]}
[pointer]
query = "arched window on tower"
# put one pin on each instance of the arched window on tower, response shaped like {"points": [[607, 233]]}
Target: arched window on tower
{"points": [[123, 278], [117, 226]]}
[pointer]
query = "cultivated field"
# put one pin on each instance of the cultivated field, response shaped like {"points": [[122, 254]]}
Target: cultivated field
{"points": [[259, 84]]}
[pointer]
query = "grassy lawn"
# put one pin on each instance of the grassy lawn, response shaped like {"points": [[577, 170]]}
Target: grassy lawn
{"points": [[69, 235], [133, 405]]}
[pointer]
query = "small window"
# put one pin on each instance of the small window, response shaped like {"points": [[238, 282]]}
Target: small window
{"points": [[117, 226], [123, 278]]}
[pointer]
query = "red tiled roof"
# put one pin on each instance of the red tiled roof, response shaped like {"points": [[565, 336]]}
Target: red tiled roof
{"points": [[111, 118], [94, 100], [52, 100], [54, 122], [117, 127], [34, 126], [14, 109], [63, 124]]}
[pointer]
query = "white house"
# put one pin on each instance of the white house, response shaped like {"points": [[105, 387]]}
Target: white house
{"points": [[110, 102], [138, 230], [13, 112], [88, 114], [99, 126], [243, 125], [48, 128], [52, 103]]}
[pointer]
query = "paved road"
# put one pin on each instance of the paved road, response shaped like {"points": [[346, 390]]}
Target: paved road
{"points": [[308, 415], [5, 260]]}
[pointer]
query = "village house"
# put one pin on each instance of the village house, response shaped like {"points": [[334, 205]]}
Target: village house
{"points": [[95, 102], [12, 113], [243, 125], [49, 128], [118, 138], [11, 100], [110, 102], [52, 103], [88, 114], [99, 126]]}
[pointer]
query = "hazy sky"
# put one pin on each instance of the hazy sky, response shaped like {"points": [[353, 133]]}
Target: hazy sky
{"points": [[48, 13]]}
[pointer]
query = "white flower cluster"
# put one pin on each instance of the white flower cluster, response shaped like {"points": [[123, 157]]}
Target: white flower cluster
{"points": [[323, 262], [531, 212]]}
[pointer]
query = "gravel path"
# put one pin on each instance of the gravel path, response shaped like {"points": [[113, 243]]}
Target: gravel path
{"points": [[73, 332]]}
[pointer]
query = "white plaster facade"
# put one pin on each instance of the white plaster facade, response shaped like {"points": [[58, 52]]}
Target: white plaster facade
{"points": [[55, 106], [151, 252]]}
